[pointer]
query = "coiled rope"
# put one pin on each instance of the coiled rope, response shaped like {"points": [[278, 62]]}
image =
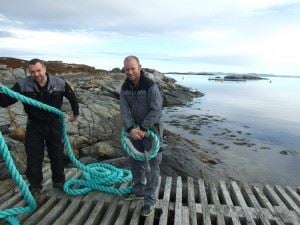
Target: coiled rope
{"points": [[134, 153]]}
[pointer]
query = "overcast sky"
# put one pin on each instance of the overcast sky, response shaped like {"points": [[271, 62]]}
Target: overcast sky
{"points": [[261, 36]]}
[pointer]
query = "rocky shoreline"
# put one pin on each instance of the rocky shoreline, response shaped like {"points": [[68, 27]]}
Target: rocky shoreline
{"points": [[96, 134]]}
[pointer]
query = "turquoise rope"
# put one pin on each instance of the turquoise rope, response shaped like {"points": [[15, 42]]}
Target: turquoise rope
{"points": [[10, 214], [93, 174], [154, 148]]}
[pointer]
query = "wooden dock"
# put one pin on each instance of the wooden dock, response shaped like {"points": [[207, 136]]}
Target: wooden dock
{"points": [[181, 201]]}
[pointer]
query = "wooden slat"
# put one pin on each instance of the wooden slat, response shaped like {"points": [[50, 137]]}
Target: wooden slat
{"points": [[166, 200], [263, 200], [293, 194], [123, 213], [228, 200], [69, 212], [216, 201], [286, 199], [54, 213], [260, 211], [282, 210], [185, 216], [93, 217], [265, 203], [178, 202], [150, 219], [111, 213], [41, 212], [191, 201], [6, 196], [9, 203], [136, 213], [83, 214], [241, 201], [204, 202]]}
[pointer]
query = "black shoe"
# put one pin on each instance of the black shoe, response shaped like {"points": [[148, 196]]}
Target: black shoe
{"points": [[59, 185], [147, 210], [132, 197]]}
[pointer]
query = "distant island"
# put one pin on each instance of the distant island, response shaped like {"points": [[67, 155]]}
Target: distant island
{"points": [[231, 74], [237, 78]]}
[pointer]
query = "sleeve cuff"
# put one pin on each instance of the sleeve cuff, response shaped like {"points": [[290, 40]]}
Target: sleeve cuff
{"points": [[129, 129], [143, 128]]}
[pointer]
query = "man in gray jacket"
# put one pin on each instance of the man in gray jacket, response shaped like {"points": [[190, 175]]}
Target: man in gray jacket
{"points": [[141, 109]]}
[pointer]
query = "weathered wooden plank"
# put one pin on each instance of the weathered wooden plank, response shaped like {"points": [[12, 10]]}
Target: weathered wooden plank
{"points": [[150, 219], [136, 213], [275, 200], [185, 216], [216, 201], [204, 203], [260, 211], [69, 212], [225, 194], [6, 196], [228, 201], [41, 212], [178, 202], [11, 202], [111, 213], [263, 200], [7, 186], [281, 209], [95, 215], [191, 201], [165, 203], [83, 214], [121, 219], [293, 194], [123, 213], [241, 201], [286, 199], [54, 213], [22, 203]]}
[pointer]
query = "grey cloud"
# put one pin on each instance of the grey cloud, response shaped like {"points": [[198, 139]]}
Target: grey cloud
{"points": [[5, 34], [133, 18], [107, 16]]}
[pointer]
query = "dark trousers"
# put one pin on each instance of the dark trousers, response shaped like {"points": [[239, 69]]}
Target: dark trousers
{"points": [[145, 183], [38, 135]]}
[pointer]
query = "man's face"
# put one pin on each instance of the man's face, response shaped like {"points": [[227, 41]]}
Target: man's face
{"points": [[38, 72], [132, 70]]}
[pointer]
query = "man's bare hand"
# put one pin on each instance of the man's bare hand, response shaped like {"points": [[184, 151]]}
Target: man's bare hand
{"points": [[137, 134]]}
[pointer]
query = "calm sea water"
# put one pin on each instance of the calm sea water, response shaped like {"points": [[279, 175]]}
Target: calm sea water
{"points": [[270, 108]]}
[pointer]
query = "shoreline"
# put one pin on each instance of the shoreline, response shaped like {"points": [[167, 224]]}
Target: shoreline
{"points": [[230, 151]]}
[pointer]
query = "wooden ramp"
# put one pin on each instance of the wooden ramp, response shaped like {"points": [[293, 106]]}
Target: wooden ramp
{"points": [[181, 202]]}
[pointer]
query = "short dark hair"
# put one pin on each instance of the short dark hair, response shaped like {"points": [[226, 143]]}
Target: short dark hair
{"points": [[132, 57], [35, 61]]}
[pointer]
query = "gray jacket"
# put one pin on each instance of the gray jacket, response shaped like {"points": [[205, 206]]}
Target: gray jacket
{"points": [[141, 106]]}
